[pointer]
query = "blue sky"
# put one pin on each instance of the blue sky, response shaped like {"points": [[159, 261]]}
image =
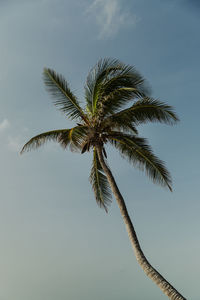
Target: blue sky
{"points": [[55, 241]]}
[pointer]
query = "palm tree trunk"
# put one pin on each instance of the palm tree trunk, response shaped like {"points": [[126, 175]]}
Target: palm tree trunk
{"points": [[163, 284]]}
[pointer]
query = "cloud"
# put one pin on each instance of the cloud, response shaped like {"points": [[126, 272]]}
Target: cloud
{"points": [[110, 17], [14, 144], [4, 124]]}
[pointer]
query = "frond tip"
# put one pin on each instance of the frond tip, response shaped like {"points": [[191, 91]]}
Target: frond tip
{"points": [[100, 183]]}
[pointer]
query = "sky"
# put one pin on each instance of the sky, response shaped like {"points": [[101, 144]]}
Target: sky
{"points": [[56, 243]]}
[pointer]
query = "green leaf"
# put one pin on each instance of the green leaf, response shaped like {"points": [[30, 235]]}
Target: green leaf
{"points": [[77, 137], [110, 84], [64, 98], [137, 151], [96, 76], [40, 139], [99, 183], [118, 124], [73, 138], [146, 110]]}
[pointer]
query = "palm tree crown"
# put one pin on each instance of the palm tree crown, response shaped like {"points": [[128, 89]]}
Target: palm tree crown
{"points": [[117, 100]]}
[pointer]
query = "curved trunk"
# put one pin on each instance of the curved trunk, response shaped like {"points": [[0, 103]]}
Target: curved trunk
{"points": [[163, 284]]}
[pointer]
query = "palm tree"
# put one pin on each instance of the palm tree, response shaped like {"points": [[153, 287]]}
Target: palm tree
{"points": [[108, 119]]}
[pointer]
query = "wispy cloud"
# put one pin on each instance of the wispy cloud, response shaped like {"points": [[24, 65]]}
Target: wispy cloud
{"points": [[110, 17], [14, 143], [4, 124]]}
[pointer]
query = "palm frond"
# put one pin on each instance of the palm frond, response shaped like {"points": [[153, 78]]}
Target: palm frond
{"points": [[99, 183], [110, 84], [146, 110], [40, 139], [119, 124], [77, 137], [118, 92], [138, 152], [65, 137], [64, 98], [96, 76]]}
